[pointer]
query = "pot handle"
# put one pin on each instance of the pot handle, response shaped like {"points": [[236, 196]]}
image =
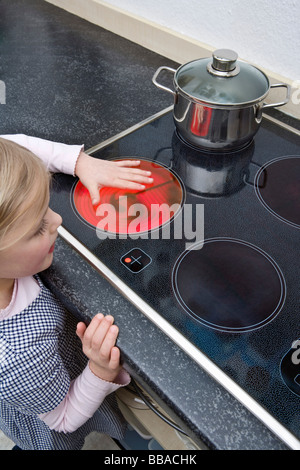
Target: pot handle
{"points": [[158, 85], [281, 103]]}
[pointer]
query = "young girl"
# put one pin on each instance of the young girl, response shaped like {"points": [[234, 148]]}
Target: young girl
{"points": [[55, 376]]}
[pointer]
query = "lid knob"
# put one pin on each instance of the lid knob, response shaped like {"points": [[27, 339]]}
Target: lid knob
{"points": [[224, 63], [224, 60]]}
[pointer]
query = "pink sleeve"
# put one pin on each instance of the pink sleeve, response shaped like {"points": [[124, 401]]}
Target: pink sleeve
{"points": [[86, 393], [56, 156]]}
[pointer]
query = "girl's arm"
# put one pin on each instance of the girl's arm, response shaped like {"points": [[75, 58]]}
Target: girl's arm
{"points": [[84, 397], [56, 156], [93, 172], [102, 376]]}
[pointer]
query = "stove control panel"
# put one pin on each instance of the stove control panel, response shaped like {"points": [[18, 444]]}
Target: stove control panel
{"points": [[136, 260], [290, 368]]}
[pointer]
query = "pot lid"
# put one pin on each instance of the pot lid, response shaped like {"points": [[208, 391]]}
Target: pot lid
{"points": [[222, 80]]}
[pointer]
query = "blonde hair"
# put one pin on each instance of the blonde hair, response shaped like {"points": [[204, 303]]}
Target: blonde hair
{"points": [[21, 173]]}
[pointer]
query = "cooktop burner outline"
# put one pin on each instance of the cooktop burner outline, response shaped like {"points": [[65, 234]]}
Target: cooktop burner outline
{"points": [[220, 310], [273, 200], [82, 206]]}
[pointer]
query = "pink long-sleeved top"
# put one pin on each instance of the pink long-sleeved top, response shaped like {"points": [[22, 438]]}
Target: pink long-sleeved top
{"points": [[87, 391]]}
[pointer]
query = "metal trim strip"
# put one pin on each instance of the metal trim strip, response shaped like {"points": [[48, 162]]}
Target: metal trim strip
{"points": [[282, 124], [146, 121], [131, 129], [203, 361]]}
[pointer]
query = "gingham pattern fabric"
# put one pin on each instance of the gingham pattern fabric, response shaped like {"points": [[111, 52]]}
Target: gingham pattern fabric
{"points": [[39, 356]]}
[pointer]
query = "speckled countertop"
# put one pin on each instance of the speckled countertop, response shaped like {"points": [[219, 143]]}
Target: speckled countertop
{"points": [[70, 81]]}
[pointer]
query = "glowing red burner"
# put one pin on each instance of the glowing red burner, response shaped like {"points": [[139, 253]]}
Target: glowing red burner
{"points": [[126, 211]]}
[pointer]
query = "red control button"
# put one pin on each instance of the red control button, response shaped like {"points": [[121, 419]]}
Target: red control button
{"points": [[136, 260]]}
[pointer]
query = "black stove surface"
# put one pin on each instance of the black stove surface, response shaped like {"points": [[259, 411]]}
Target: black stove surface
{"points": [[224, 270]]}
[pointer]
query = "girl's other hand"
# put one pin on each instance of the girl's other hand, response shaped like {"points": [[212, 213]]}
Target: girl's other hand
{"points": [[95, 173], [98, 344]]}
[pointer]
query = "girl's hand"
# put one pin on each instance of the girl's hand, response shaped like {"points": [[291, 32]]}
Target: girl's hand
{"points": [[98, 344], [95, 173]]}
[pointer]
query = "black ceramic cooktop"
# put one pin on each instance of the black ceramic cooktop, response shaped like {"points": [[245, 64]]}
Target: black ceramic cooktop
{"points": [[222, 266]]}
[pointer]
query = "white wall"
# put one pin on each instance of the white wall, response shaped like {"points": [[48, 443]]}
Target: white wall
{"points": [[263, 32]]}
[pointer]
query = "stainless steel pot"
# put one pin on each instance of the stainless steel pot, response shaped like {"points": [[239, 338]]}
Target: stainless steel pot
{"points": [[218, 102]]}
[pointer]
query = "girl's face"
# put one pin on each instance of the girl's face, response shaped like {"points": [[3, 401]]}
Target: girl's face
{"points": [[33, 249]]}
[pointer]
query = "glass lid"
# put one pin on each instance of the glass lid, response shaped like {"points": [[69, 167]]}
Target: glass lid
{"points": [[222, 80]]}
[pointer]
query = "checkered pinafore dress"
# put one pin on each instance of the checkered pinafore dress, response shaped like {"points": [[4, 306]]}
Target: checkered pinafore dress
{"points": [[39, 356]]}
